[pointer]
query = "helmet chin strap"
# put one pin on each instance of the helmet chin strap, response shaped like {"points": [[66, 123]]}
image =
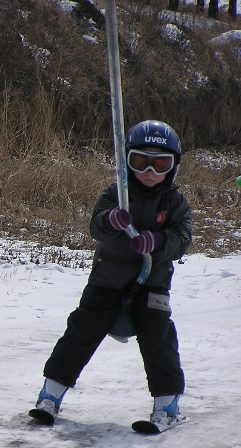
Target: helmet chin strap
{"points": [[176, 172]]}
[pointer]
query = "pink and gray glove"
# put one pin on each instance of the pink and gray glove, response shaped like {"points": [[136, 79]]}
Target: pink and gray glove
{"points": [[147, 241], [119, 218]]}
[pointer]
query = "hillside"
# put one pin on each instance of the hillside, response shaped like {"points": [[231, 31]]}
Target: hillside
{"points": [[56, 118]]}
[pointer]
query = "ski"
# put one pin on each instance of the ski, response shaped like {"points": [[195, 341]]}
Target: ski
{"points": [[146, 427], [41, 416]]}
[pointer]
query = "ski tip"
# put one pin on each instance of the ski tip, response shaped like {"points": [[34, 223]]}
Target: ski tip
{"points": [[145, 427], [41, 416]]}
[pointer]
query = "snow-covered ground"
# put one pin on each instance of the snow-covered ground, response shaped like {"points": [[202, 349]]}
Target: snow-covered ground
{"points": [[111, 393]]}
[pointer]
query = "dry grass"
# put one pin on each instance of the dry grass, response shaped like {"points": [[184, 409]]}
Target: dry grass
{"points": [[47, 185], [48, 189], [208, 180], [185, 81], [55, 118], [51, 201]]}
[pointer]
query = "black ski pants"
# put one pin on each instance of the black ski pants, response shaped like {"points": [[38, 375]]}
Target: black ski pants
{"points": [[92, 321]]}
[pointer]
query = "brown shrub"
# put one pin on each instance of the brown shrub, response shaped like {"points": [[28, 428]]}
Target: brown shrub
{"points": [[55, 117], [208, 181]]}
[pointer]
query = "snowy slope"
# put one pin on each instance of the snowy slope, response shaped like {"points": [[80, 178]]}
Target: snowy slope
{"points": [[111, 393]]}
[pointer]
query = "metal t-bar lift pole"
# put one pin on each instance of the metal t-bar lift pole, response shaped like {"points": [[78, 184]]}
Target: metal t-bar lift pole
{"points": [[116, 102], [118, 124]]}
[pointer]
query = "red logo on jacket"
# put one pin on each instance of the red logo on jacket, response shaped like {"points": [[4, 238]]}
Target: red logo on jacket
{"points": [[161, 217]]}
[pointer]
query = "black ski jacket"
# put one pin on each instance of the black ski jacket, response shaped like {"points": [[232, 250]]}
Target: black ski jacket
{"points": [[115, 265]]}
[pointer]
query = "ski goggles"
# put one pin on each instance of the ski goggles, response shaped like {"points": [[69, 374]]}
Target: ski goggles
{"points": [[142, 161]]}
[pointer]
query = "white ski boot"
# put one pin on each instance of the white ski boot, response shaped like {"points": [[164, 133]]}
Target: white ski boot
{"points": [[49, 401], [165, 410], [165, 416]]}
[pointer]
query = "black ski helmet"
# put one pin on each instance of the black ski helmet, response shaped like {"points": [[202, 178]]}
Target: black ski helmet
{"points": [[154, 133]]}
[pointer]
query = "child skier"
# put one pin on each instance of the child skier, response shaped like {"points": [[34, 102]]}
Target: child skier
{"points": [[162, 217]]}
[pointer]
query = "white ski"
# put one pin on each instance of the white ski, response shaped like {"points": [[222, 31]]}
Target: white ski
{"points": [[41, 416], [147, 427]]}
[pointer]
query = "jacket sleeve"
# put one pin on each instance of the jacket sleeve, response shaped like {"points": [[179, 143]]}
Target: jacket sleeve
{"points": [[178, 231], [100, 230]]}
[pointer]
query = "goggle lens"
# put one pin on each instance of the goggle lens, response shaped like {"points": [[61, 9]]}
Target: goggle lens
{"points": [[141, 161]]}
